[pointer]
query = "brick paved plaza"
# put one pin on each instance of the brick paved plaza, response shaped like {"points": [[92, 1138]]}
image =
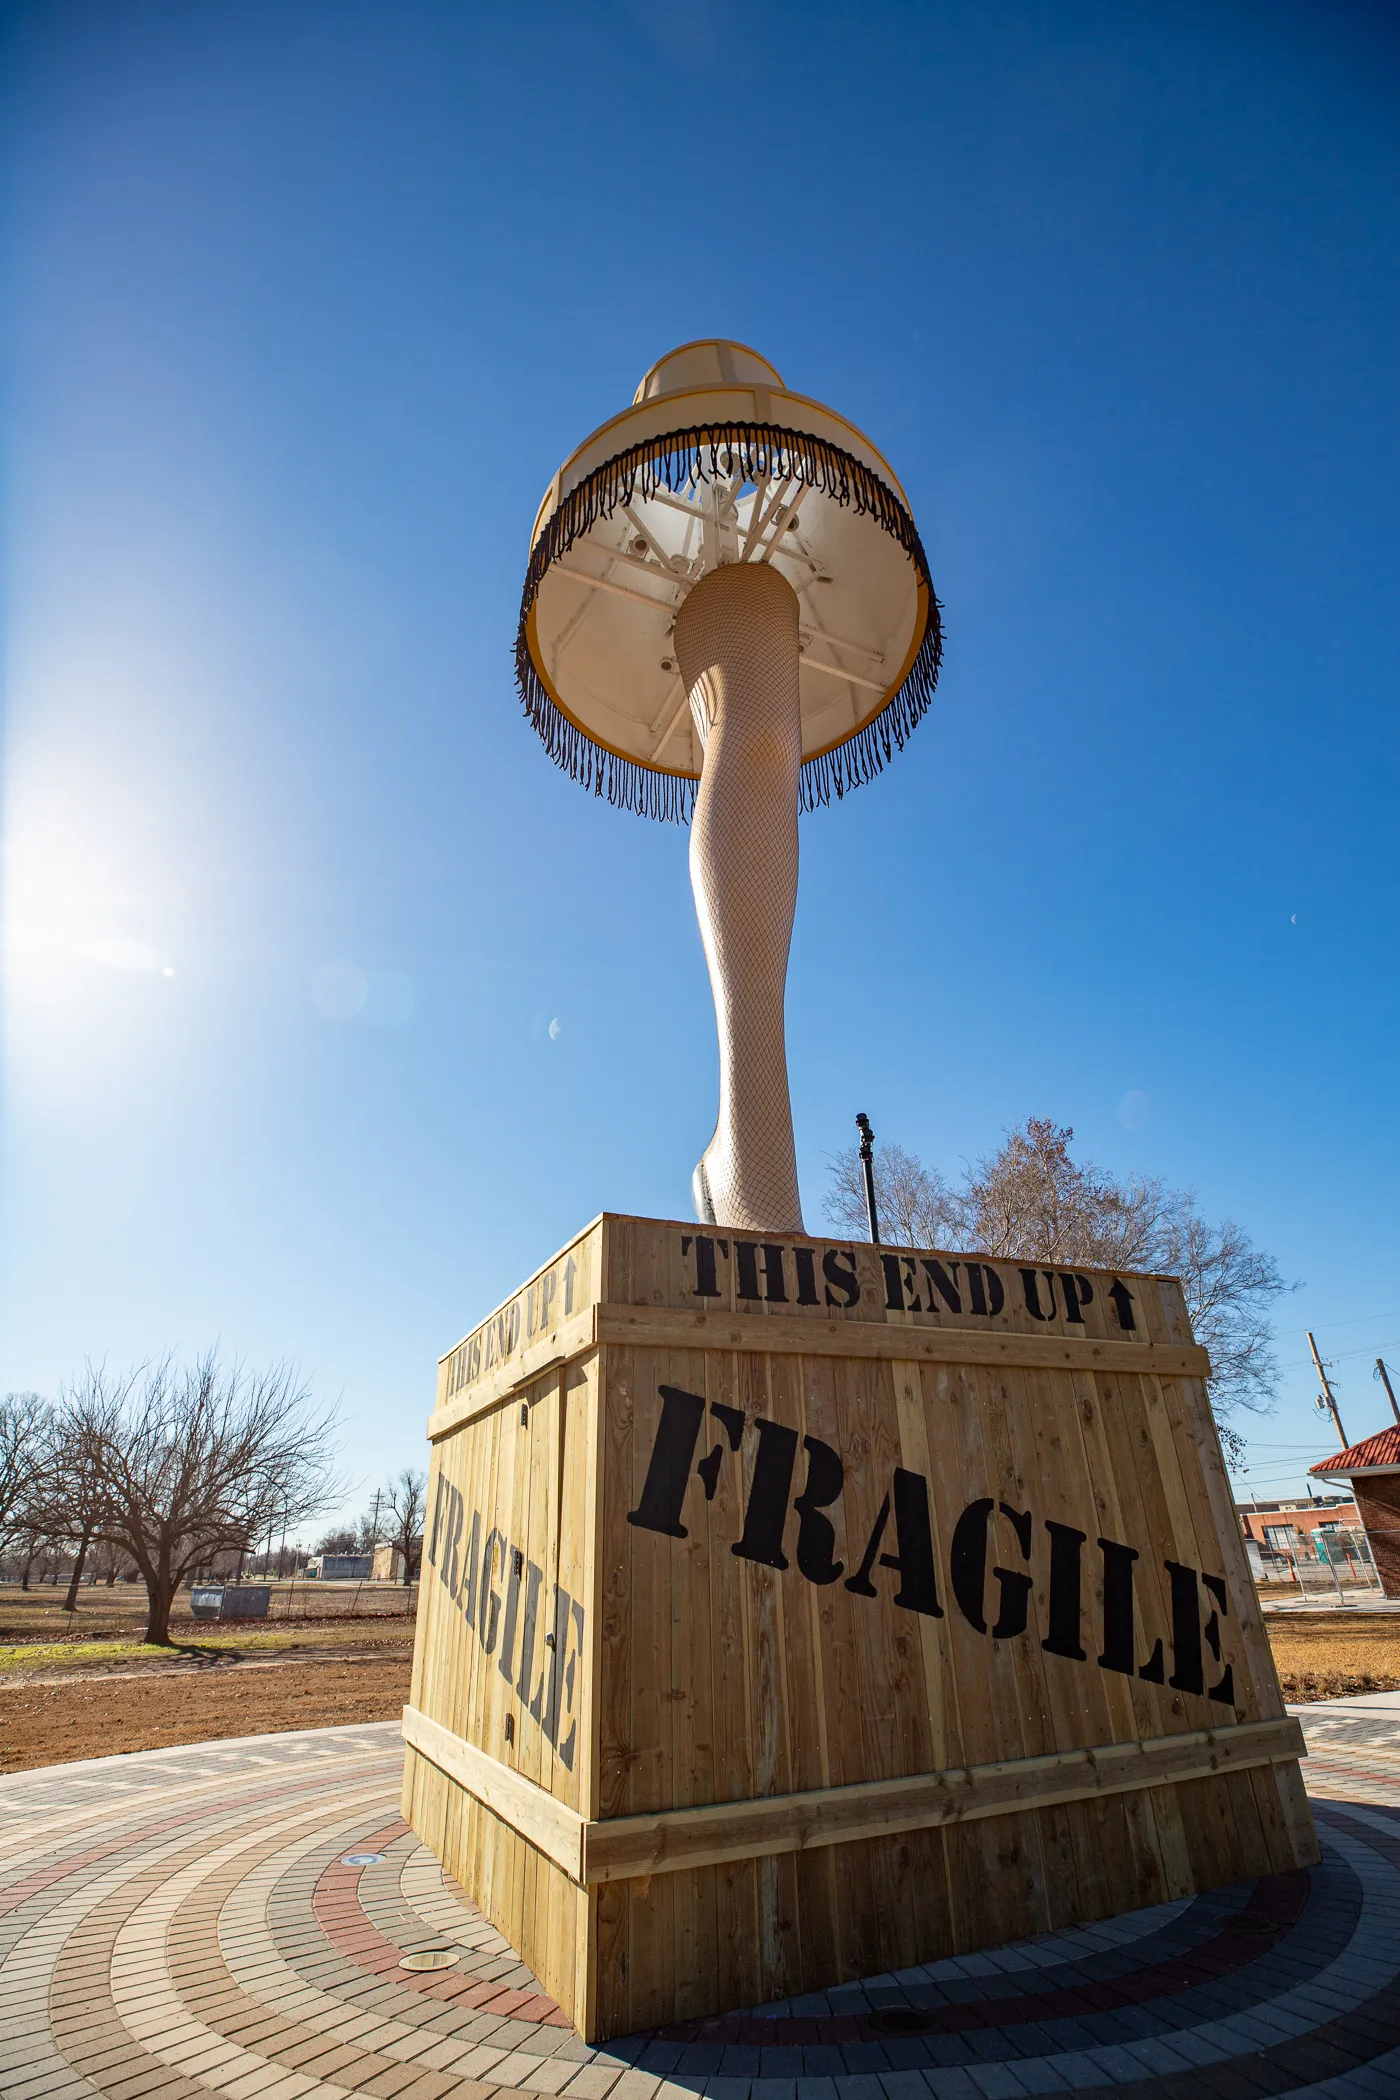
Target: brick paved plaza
{"points": [[235, 1918]]}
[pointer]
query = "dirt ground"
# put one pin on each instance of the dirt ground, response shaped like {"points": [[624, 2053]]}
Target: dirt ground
{"points": [[51, 1723], [86, 1687]]}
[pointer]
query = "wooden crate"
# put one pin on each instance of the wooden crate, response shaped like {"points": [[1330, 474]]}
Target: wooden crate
{"points": [[795, 1611]]}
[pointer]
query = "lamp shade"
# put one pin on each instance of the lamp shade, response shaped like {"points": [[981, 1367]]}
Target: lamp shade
{"points": [[714, 463]]}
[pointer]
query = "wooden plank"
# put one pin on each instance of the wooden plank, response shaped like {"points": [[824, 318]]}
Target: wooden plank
{"points": [[569, 1339], [628, 1847], [888, 1341], [668, 1327], [547, 1823], [656, 1844]]}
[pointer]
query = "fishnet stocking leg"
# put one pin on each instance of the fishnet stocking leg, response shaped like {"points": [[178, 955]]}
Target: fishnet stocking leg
{"points": [[736, 642]]}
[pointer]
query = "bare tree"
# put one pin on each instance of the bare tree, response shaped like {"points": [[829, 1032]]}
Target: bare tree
{"points": [[917, 1208], [197, 1462], [1031, 1200], [67, 1498], [405, 1503], [25, 1422]]}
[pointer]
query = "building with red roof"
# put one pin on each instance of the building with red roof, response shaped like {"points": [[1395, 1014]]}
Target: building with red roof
{"points": [[1373, 1468]]}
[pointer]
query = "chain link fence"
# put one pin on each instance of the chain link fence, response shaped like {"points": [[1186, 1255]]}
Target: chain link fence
{"points": [[1327, 1567]]}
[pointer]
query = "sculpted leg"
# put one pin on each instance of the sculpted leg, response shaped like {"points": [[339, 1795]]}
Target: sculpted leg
{"points": [[736, 643]]}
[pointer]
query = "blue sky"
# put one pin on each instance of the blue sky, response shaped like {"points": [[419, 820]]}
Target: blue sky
{"points": [[305, 303]]}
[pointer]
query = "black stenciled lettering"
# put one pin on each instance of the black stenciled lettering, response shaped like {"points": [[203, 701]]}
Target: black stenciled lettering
{"points": [[839, 1269], [1062, 1610], [549, 1290], [766, 1514], [967, 1561], [706, 1281], [1188, 1674], [984, 1288], [517, 1570], [566, 1748], [967, 1568], [1077, 1292], [533, 1578], [913, 1563], [945, 1282], [570, 1272], [1223, 1692], [732, 1419], [918, 1589], [816, 1535], [1016, 1584], [774, 1284], [563, 1604], [1122, 1304], [1030, 1284], [488, 1619], [668, 1469], [568, 1621], [450, 1573], [860, 1583], [901, 1283], [806, 1260], [1118, 1651], [467, 1600], [440, 1501]]}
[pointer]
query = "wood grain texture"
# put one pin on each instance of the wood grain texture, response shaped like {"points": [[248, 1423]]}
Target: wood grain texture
{"points": [[933, 1628]]}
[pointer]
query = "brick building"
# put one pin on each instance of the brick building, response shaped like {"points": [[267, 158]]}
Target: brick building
{"points": [[1280, 1527], [1373, 1468]]}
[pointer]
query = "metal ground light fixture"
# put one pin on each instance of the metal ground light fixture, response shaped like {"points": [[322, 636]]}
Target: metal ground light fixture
{"points": [[728, 616]]}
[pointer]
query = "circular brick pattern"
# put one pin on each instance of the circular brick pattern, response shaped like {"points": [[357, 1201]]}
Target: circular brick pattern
{"points": [[234, 1918]]}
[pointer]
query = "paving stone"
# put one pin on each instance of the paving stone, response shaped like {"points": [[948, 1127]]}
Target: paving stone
{"points": [[271, 1971]]}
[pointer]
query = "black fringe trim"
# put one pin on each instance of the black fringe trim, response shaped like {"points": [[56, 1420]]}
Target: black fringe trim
{"points": [[681, 459]]}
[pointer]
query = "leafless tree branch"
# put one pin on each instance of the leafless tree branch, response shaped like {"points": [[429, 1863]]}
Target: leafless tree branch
{"points": [[1030, 1200]]}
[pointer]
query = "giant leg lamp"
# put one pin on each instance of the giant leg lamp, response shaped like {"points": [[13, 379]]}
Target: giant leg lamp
{"points": [[728, 613]]}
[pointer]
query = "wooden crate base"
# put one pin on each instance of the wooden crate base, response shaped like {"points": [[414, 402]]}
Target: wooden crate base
{"points": [[793, 1613]]}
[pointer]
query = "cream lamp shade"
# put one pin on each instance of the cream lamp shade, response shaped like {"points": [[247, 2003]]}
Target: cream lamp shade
{"points": [[716, 463]]}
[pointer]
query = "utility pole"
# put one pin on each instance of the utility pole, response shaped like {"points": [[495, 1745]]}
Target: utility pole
{"points": [[1327, 1398], [1384, 1377], [867, 1160]]}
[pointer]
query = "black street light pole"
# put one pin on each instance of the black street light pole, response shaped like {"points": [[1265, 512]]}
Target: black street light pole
{"points": [[867, 1160]]}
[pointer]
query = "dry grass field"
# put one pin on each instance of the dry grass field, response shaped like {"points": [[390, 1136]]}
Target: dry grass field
{"points": [[1329, 1654], [86, 1686]]}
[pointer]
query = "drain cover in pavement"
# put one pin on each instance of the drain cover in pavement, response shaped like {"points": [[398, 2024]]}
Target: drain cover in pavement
{"points": [[903, 2019], [361, 1859]]}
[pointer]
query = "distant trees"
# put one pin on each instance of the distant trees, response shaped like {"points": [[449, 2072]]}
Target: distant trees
{"points": [[179, 1466], [344, 1538], [1031, 1200], [25, 1430], [405, 1504]]}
